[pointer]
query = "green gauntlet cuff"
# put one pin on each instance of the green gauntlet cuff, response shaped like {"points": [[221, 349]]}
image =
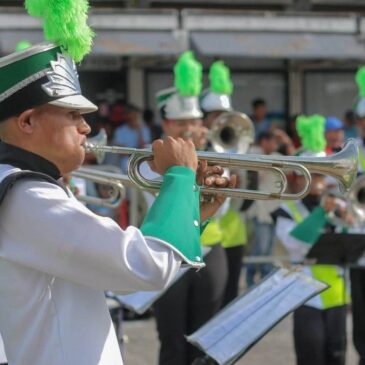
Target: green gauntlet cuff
{"points": [[310, 229], [175, 217]]}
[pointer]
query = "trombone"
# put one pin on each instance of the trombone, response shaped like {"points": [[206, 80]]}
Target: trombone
{"points": [[342, 166], [115, 183]]}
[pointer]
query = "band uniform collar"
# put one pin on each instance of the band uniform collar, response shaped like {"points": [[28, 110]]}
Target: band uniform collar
{"points": [[26, 160]]}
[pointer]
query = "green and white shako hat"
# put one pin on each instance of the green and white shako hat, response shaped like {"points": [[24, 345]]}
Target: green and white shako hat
{"points": [[39, 75], [311, 131], [218, 96], [182, 101], [360, 102], [46, 73]]}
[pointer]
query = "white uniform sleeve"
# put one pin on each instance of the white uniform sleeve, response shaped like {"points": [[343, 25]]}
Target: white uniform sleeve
{"points": [[43, 229], [296, 248]]}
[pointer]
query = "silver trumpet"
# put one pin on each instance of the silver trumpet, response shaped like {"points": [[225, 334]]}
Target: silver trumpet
{"points": [[342, 166]]}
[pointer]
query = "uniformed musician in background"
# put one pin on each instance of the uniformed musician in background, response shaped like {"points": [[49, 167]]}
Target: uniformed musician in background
{"points": [[320, 324], [196, 296], [227, 228]]}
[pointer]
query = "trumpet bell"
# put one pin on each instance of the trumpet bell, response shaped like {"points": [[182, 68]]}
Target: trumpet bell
{"points": [[232, 132], [342, 165]]}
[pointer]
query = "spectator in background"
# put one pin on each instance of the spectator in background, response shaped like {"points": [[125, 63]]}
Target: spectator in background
{"points": [[285, 143], [260, 210], [350, 128], [149, 120], [103, 118], [334, 135], [132, 134], [118, 114], [259, 117]]}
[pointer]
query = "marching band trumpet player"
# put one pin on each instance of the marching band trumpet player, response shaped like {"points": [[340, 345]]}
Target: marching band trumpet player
{"points": [[57, 257], [320, 324]]}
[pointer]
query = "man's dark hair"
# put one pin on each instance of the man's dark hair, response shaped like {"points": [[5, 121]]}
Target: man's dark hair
{"points": [[258, 102], [265, 135]]}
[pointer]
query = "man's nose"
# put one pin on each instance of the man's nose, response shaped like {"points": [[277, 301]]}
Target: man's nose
{"points": [[84, 127]]}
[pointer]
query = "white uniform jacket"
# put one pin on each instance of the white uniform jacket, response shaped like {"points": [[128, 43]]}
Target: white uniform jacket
{"points": [[56, 259]]}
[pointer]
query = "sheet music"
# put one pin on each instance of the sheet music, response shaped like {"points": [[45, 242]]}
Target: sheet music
{"points": [[237, 327]]}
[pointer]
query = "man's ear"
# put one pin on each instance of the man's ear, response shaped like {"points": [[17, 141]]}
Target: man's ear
{"points": [[24, 121]]}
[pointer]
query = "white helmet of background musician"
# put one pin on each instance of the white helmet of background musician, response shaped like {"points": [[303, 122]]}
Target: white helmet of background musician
{"points": [[182, 101], [218, 96]]}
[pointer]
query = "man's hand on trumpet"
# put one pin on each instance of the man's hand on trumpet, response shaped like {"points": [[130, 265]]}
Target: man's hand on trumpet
{"points": [[173, 152], [178, 152], [338, 207], [212, 176]]}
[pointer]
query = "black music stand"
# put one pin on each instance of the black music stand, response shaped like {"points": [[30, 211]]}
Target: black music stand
{"points": [[337, 249]]}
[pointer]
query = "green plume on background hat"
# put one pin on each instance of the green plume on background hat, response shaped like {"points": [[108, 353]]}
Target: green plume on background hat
{"points": [[220, 80], [188, 75], [65, 23], [360, 80], [311, 132]]}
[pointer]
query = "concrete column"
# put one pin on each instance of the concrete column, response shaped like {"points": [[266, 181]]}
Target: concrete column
{"points": [[295, 91], [136, 86]]}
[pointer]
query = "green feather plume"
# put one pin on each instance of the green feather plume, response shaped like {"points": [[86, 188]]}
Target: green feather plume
{"points": [[65, 23], [36, 7], [360, 80], [311, 132], [188, 75], [220, 80]]}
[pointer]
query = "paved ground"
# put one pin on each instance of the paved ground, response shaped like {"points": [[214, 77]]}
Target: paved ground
{"points": [[276, 348]]}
